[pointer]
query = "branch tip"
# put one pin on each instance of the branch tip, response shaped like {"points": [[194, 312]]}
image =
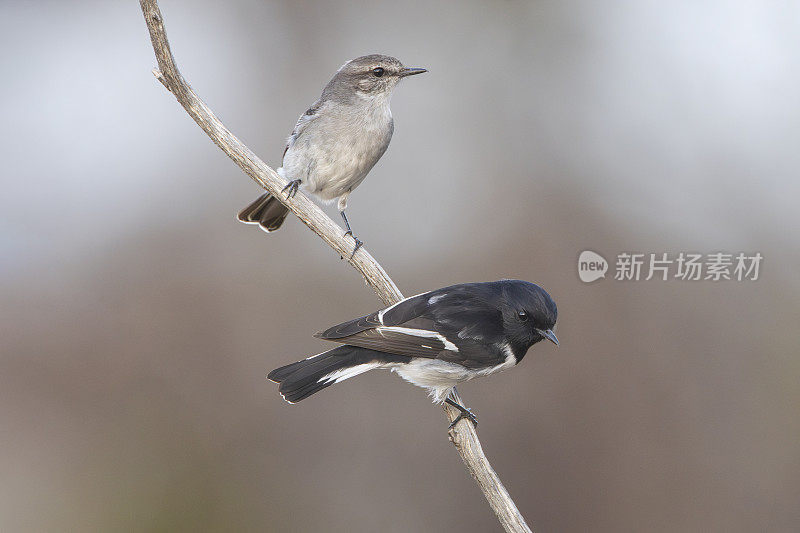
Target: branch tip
{"points": [[160, 77]]}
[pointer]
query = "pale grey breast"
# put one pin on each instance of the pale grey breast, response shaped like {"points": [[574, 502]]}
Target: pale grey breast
{"points": [[335, 145]]}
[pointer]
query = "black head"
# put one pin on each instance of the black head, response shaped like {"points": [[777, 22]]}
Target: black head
{"points": [[529, 314], [371, 75]]}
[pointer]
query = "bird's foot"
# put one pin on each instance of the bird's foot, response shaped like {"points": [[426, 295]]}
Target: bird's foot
{"points": [[292, 186], [359, 244], [463, 412]]}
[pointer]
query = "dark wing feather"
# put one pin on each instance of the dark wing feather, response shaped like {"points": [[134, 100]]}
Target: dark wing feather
{"points": [[406, 310], [345, 329], [395, 341], [469, 316], [459, 324], [467, 311], [394, 315], [399, 329]]}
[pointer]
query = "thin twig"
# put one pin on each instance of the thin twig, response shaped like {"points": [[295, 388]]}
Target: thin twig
{"points": [[463, 435]]}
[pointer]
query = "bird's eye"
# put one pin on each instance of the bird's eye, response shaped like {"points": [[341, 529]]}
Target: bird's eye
{"points": [[523, 316], [378, 71]]}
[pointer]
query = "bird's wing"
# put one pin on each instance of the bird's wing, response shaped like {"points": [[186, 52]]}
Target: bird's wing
{"points": [[448, 324], [401, 341], [394, 315], [307, 117]]}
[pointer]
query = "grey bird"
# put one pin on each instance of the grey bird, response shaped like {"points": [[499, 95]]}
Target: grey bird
{"points": [[338, 140]]}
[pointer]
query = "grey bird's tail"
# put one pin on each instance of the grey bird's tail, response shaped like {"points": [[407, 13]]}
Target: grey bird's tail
{"points": [[302, 379], [266, 211]]}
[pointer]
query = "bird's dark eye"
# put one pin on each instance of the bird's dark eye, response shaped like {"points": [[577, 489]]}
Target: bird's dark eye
{"points": [[522, 315], [378, 71]]}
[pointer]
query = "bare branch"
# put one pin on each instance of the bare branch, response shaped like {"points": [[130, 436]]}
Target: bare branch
{"points": [[463, 436]]}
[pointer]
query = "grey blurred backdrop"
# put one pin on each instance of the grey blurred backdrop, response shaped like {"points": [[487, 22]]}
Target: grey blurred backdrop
{"points": [[138, 318]]}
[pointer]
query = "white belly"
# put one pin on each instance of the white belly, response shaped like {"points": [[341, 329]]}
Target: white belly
{"points": [[439, 377]]}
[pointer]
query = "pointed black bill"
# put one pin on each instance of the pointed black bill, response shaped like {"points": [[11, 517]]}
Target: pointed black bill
{"points": [[549, 335], [406, 71]]}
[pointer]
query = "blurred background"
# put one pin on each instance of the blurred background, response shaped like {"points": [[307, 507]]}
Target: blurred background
{"points": [[138, 319]]}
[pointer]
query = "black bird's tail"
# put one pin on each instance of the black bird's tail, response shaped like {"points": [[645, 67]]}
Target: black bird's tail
{"points": [[267, 212], [302, 379]]}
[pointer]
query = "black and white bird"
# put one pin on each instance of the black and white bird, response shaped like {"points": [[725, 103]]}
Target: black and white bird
{"points": [[434, 340], [338, 140]]}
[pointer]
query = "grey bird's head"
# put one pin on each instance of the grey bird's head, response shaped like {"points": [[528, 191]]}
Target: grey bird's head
{"points": [[372, 77]]}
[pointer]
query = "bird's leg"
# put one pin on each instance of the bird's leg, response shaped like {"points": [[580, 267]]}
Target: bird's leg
{"points": [[463, 413], [359, 244], [292, 186], [346, 224]]}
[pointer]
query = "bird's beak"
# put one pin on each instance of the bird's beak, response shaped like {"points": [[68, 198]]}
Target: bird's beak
{"points": [[549, 335], [406, 71]]}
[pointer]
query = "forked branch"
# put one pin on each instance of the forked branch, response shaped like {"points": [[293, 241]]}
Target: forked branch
{"points": [[463, 435]]}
